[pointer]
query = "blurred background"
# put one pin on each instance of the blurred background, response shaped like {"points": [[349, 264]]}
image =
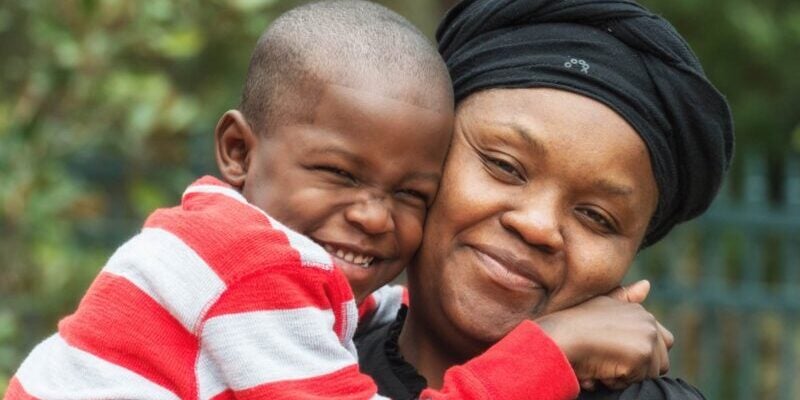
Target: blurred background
{"points": [[107, 109]]}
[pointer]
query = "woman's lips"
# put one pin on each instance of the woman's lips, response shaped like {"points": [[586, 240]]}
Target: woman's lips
{"points": [[504, 272]]}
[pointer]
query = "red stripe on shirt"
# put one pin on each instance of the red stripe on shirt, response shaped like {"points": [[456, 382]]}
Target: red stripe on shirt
{"points": [[367, 307], [347, 383], [232, 238], [118, 322], [226, 395], [15, 391], [277, 288], [340, 291], [210, 180]]}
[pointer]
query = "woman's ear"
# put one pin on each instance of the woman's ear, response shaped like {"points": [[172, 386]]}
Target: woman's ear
{"points": [[233, 142]]}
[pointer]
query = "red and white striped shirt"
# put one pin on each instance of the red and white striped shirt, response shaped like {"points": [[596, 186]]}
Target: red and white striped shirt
{"points": [[216, 300]]}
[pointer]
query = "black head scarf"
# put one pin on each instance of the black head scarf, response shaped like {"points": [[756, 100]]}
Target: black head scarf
{"points": [[616, 52]]}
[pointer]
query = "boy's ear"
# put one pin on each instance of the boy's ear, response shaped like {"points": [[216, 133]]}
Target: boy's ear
{"points": [[233, 142]]}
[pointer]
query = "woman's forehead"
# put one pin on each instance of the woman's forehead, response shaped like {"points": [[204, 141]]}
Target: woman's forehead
{"points": [[580, 140]]}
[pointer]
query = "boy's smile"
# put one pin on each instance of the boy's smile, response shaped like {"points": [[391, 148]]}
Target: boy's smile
{"points": [[356, 174]]}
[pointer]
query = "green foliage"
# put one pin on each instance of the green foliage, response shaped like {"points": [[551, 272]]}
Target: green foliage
{"points": [[751, 51], [107, 108]]}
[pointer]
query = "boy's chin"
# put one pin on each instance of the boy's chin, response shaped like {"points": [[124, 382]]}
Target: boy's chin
{"points": [[361, 278]]}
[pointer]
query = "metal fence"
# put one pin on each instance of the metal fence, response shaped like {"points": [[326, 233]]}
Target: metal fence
{"points": [[728, 286]]}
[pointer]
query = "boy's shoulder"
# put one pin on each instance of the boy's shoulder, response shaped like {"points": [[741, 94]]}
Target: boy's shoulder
{"points": [[234, 237]]}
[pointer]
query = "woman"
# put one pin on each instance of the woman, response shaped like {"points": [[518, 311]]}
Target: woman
{"points": [[585, 130]]}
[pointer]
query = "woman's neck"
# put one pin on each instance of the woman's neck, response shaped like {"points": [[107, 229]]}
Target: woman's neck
{"points": [[420, 348]]}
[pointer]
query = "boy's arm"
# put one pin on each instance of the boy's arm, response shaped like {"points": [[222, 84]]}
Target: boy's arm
{"points": [[618, 351], [280, 335], [524, 364], [638, 346]]}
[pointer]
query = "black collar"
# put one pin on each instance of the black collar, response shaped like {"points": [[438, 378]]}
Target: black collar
{"points": [[379, 356]]}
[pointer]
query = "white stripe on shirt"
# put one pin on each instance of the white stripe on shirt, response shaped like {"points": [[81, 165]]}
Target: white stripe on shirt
{"points": [[170, 272], [56, 370], [250, 345], [311, 253]]}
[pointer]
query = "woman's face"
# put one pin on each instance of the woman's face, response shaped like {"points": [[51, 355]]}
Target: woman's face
{"points": [[545, 198]]}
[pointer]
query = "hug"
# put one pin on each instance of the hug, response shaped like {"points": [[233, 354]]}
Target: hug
{"points": [[516, 178]]}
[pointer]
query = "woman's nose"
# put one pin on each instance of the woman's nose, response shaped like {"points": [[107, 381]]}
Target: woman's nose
{"points": [[371, 216], [536, 221]]}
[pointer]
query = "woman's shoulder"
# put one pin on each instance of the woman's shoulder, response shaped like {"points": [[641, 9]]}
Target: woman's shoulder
{"points": [[651, 389]]}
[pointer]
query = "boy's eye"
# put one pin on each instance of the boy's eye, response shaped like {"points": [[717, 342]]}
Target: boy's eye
{"points": [[339, 173], [600, 220], [415, 194]]}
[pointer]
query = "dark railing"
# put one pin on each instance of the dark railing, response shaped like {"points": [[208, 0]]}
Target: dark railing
{"points": [[728, 286]]}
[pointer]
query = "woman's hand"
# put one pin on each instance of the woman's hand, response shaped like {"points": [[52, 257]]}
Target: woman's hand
{"points": [[611, 338]]}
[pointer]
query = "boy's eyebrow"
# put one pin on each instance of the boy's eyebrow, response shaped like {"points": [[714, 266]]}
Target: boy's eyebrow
{"points": [[426, 176], [353, 157], [356, 159]]}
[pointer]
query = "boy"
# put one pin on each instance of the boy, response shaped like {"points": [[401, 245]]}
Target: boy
{"points": [[341, 135]]}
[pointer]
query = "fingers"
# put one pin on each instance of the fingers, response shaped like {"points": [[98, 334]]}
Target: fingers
{"points": [[638, 291], [664, 347], [620, 293], [669, 339], [634, 293]]}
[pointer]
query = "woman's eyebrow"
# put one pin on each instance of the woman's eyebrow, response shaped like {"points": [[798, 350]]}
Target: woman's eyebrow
{"points": [[612, 188], [526, 136]]}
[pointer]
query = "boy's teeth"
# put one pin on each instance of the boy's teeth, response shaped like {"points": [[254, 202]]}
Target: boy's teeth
{"points": [[357, 259]]}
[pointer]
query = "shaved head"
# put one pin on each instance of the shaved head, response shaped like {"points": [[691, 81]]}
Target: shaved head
{"points": [[344, 42]]}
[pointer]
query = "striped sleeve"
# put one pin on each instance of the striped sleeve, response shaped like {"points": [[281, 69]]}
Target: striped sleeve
{"points": [[525, 364], [131, 336], [282, 334], [216, 300], [283, 325], [381, 307]]}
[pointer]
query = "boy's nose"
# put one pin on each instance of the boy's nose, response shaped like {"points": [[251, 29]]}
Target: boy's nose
{"points": [[371, 216]]}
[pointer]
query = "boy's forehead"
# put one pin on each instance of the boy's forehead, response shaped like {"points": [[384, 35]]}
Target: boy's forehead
{"points": [[363, 111], [373, 87], [364, 98]]}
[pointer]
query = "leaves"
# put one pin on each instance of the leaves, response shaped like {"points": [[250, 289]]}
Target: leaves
{"points": [[107, 110]]}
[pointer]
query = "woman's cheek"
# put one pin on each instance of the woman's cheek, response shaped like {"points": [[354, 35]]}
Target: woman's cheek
{"points": [[594, 270]]}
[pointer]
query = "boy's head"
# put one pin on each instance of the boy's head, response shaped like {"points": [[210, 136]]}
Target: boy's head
{"points": [[341, 134]]}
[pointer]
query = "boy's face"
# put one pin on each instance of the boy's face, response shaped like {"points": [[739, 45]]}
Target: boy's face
{"points": [[356, 175]]}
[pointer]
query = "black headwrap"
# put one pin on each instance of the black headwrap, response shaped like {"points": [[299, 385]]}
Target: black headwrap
{"points": [[614, 51]]}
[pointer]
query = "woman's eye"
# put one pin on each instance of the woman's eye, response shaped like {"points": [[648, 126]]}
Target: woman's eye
{"points": [[505, 167], [600, 220]]}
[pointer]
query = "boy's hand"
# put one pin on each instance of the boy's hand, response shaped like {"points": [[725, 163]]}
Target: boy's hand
{"points": [[634, 293], [637, 293], [612, 338]]}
